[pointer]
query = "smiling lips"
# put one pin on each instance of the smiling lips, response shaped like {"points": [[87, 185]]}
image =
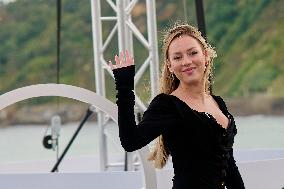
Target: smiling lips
{"points": [[189, 70]]}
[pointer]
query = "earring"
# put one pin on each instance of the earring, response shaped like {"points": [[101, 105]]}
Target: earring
{"points": [[206, 64], [205, 67], [172, 77]]}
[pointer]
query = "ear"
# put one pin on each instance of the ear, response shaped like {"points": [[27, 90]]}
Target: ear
{"points": [[169, 66], [205, 52]]}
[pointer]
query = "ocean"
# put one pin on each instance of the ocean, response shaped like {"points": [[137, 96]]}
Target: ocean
{"points": [[24, 142]]}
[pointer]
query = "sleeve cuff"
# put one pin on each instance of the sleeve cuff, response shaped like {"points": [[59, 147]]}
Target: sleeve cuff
{"points": [[124, 77]]}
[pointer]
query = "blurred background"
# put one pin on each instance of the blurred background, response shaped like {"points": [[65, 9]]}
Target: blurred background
{"points": [[249, 71]]}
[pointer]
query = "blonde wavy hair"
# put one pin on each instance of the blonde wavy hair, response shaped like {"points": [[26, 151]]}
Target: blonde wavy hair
{"points": [[168, 82]]}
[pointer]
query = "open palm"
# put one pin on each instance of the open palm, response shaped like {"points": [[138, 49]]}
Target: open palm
{"points": [[123, 60]]}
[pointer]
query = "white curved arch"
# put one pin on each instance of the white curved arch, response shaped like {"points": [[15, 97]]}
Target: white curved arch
{"points": [[82, 95], [61, 90]]}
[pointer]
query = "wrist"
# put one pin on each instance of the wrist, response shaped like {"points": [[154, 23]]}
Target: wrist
{"points": [[124, 77]]}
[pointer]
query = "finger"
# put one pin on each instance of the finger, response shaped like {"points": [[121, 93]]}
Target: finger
{"points": [[121, 58], [116, 60], [129, 59]]}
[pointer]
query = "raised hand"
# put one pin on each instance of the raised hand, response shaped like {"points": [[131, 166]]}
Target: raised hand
{"points": [[122, 61]]}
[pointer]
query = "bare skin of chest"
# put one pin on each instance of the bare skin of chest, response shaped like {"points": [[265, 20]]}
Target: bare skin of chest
{"points": [[209, 106]]}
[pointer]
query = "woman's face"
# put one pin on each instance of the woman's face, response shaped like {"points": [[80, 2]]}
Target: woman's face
{"points": [[187, 60]]}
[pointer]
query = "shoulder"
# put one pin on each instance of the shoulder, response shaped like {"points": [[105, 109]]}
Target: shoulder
{"points": [[220, 101], [162, 107], [161, 99], [218, 98], [162, 102]]}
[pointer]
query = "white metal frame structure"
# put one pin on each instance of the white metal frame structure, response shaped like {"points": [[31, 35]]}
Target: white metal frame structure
{"points": [[125, 30]]}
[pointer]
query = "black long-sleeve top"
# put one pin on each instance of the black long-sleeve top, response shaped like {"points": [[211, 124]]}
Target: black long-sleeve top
{"points": [[201, 149]]}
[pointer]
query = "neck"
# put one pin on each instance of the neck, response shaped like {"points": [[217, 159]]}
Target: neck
{"points": [[196, 92]]}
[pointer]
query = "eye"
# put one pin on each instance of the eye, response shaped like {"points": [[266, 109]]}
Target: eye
{"points": [[177, 57], [194, 52]]}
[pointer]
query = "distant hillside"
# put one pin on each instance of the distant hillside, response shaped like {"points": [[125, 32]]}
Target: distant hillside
{"points": [[252, 62], [249, 36]]}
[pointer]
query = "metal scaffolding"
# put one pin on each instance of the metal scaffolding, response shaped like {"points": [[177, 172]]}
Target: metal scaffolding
{"points": [[125, 29]]}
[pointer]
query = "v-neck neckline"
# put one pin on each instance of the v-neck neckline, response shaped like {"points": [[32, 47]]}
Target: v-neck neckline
{"points": [[210, 116]]}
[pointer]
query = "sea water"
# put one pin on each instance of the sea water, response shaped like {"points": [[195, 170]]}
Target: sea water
{"points": [[23, 143]]}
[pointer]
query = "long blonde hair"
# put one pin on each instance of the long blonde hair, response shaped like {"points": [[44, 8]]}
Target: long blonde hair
{"points": [[169, 82]]}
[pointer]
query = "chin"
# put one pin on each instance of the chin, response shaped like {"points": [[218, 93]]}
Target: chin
{"points": [[191, 81]]}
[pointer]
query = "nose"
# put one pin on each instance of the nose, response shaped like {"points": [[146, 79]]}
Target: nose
{"points": [[186, 61]]}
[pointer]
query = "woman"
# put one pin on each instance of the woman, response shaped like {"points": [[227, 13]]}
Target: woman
{"points": [[192, 126]]}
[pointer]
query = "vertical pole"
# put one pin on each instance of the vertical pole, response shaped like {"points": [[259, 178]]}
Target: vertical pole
{"points": [[121, 17], [200, 17], [128, 33], [99, 72], [58, 47], [153, 51]]}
